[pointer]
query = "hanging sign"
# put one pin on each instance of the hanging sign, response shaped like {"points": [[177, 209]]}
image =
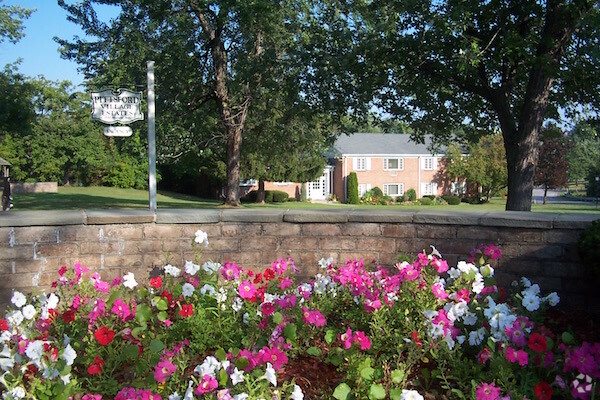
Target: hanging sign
{"points": [[121, 131], [123, 106]]}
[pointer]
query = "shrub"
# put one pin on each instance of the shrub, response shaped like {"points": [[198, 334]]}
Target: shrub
{"points": [[279, 196], [429, 196], [588, 246], [452, 200], [401, 199], [352, 195], [425, 201], [250, 197], [411, 194], [268, 196], [303, 192], [291, 199]]}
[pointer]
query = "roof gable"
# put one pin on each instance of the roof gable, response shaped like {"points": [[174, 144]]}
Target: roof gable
{"points": [[381, 144]]}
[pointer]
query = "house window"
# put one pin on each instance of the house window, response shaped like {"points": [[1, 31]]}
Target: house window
{"points": [[393, 164], [428, 163], [393, 189], [429, 189], [361, 164], [458, 188], [362, 189]]}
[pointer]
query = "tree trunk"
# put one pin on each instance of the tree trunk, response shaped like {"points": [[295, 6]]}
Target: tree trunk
{"points": [[260, 195], [234, 146], [545, 193]]}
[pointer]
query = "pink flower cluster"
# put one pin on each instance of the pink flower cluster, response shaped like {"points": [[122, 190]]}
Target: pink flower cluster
{"points": [[348, 338], [275, 356]]}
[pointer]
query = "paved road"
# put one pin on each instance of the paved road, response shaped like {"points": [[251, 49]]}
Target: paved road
{"points": [[556, 196]]}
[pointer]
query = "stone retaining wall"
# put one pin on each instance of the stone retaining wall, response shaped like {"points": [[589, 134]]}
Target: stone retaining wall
{"points": [[34, 187], [34, 244]]}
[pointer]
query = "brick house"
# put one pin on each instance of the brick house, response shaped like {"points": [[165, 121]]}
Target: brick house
{"points": [[391, 162]]}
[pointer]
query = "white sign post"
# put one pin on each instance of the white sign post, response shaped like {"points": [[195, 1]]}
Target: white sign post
{"points": [[151, 138]]}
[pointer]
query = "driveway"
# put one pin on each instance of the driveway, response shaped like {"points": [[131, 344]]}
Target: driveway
{"points": [[556, 196]]}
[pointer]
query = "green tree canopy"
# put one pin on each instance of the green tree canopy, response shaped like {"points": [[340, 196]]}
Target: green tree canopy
{"points": [[11, 22]]}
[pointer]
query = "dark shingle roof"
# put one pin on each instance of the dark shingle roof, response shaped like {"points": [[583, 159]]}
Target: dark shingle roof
{"points": [[381, 144]]}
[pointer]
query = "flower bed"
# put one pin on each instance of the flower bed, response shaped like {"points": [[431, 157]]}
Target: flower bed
{"points": [[225, 332]]}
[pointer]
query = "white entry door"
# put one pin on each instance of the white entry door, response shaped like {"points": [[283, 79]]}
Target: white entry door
{"points": [[319, 189]]}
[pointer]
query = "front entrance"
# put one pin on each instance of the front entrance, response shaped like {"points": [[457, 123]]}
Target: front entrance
{"points": [[320, 189]]}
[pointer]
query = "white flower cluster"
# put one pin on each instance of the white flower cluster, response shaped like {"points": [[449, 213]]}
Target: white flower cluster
{"points": [[531, 300], [201, 237]]}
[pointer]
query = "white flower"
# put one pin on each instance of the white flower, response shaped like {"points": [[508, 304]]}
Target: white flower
{"points": [[454, 273], [35, 350], [175, 396], [470, 318], [552, 299], [191, 268], [246, 318], [237, 376], [187, 289], [17, 393], [69, 354], [189, 393], [66, 378], [297, 393], [29, 311], [435, 252], [526, 282], [208, 289], [270, 374], [5, 336], [531, 302], [466, 267], [323, 263], [18, 299], [171, 270], [201, 237], [476, 337], [222, 295], [129, 281], [7, 364], [478, 284], [241, 396], [208, 367], [211, 267], [14, 318], [410, 395], [237, 304]]}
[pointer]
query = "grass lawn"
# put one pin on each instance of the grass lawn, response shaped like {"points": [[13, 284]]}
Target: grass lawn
{"points": [[107, 197]]}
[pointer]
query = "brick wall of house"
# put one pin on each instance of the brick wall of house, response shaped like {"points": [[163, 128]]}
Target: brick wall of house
{"points": [[33, 245]]}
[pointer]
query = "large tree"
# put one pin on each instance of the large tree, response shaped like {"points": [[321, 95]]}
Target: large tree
{"points": [[11, 22], [213, 58], [482, 65]]}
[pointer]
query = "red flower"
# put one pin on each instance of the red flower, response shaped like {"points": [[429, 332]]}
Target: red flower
{"points": [[537, 342], [257, 279], [415, 336], [104, 335], [156, 282], [3, 324], [269, 274], [96, 366], [543, 391], [69, 315], [62, 270], [167, 295], [186, 310]]}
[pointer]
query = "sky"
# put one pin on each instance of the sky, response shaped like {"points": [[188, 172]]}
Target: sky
{"points": [[39, 53]]}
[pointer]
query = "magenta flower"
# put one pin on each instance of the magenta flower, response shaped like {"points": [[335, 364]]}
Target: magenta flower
{"points": [[207, 385], [515, 334], [288, 301], [409, 273], [247, 290], [280, 266], [492, 251], [440, 265], [487, 391], [313, 317], [582, 360], [163, 369], [97, 311], [439, 292], [442, 319], [285, 283], [230, 271], [346, 338], [267, 309], [276, 357], [519, 356], [92, 397], [363, 340], [372, 305], [121, 309]]}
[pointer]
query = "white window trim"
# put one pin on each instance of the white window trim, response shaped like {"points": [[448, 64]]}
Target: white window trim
{"points": [[386, 190], [428, 163], [361, 163], [400, 164], [429, 189]]}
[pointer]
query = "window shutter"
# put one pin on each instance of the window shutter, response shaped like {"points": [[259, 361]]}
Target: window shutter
{"points": [[422, 163], [435, 163], [385, 189], [385, 164], [368, 187], [368, 163], [354, 163], [401, 163]]}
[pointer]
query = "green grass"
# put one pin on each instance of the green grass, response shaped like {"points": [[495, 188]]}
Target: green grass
{"points": [[72, 198]]}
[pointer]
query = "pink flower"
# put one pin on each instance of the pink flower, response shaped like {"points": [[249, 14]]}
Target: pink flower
{"points": [[442, 319], [313, 317], [372, 305], [101, 286], [363, 341], [487, 391], [267, 309], [516, 334], [230, 271], [276, 357], [121, 309], [440, 265], [409, 273], [484, 355], [207, 385], [280, 266], [285, 283], [439, 292], [247, 290], [463, 294], [92, 397], [288, 301], [519, 356], [346, 338], [492, 251], [163, 369], [97, 311]]}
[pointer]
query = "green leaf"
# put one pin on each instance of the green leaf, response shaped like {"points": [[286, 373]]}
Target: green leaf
{"points": [[143, 313], [161, 303], [138, 331], [156, 346], [290, 332], [367, 373], [162, 316], [567, 338], [242, 363], [277, 318], [330, 336], [396, 394], [221, 354], [458, 393], [397, 376], [376, 392], [223, 377], [314, 351], [342, 391], [131, 351]]}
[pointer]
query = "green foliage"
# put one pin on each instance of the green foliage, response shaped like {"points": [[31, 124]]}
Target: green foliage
{"points": [[583, 154], [411, 194], [352, 195], [376, 196], [278, 196], [452, 200], [11, 22], [303, 192], [588, 246], [593, 182], [425, 201]]}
